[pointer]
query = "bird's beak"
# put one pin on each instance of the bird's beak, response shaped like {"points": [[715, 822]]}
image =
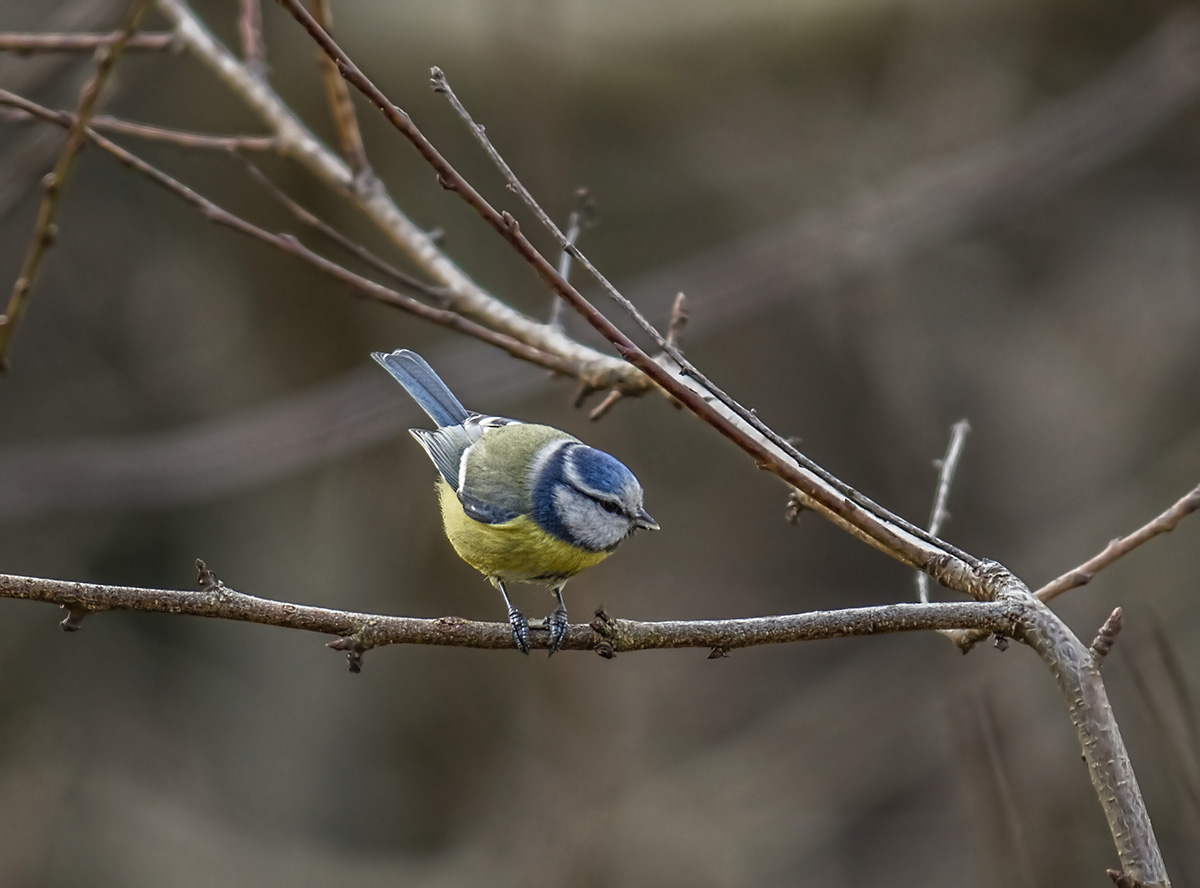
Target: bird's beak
{"points": [[643, 521]]}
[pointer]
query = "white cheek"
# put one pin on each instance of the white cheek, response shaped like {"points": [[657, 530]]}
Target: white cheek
{"points": [[587, 522]]}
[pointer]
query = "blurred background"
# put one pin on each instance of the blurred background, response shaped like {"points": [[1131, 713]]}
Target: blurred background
{"points": [[887, 214]]}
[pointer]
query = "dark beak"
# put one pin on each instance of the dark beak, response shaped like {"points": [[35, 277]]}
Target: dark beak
{"points": [[643, 521]]}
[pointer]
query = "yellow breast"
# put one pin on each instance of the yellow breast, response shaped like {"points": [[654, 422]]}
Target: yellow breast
{"points": [[516, 551]]}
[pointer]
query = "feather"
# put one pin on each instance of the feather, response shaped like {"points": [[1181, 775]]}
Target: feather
{"points": [[425, 386]]}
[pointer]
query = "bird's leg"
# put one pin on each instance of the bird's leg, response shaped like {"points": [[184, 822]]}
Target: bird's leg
{"points": [[520, 626], [557, 623]]}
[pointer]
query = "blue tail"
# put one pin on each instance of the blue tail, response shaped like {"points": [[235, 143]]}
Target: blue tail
{"points": [[425, 386]]}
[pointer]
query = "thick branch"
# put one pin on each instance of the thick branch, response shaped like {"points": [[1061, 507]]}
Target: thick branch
{"points": [[1077, 672], [606, 634]]}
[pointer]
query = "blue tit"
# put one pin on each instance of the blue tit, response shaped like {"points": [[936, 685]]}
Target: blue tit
{"points": [[520, 502]]}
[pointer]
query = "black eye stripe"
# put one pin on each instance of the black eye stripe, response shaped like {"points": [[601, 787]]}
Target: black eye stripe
{"points": [[614, 508]]}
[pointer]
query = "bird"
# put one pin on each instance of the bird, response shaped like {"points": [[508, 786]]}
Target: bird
{"points": [[520, 502]]}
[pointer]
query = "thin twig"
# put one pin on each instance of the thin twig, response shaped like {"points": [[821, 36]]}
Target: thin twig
{"points": [[250, 30], [204, 141], [25, 44], [342, 108], [836, 499], [609, 402], [356, 249], [44, 230], [608, 634], [1120, 547], [574, 226], [1103, 642], [938, 516], [290, 245]]}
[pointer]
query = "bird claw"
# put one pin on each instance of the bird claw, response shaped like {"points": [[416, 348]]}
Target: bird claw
{"points": [[558, 624], [520, 629]]}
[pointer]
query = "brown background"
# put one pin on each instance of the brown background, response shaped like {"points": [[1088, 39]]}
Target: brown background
{"points": [[816, 176]]}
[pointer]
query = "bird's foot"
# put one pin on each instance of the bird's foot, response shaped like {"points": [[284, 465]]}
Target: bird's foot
{"points": [[557, 624], [520, 629]]}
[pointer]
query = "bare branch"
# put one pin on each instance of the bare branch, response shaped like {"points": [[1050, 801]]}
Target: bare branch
{"points": [[25, 44], [204, 141], [44, 230], [1077, 673], [290, 245], [250, 30], [349, 136], [1120, 547], [946, 466], [606, 634], [355, 249]]}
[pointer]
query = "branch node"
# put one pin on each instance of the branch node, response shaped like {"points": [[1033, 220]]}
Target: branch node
{"points": [[510, 222], [605, 650], [1122, 880], [354, 647], [999, 642], [205, 578], [1081, 577], [1103, 642], [437, 79], [795, 506], [679, 319], [718, 653], [446, 182], [600, 624], [73, 621]]}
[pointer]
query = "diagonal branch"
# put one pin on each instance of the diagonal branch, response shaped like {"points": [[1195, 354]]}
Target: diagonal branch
{"points": [[1122, 546], [290, 245], [355, 249], [44, 230]]}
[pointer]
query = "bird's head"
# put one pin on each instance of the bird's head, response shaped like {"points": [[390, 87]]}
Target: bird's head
{"points": [[588, 498]]}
